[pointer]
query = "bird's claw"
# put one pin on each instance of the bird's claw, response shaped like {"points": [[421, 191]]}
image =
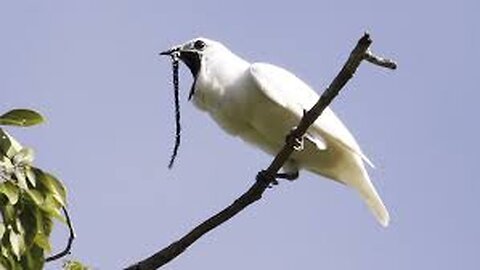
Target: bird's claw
{"points": [[291, 176], [297, 142], [266, 178]]}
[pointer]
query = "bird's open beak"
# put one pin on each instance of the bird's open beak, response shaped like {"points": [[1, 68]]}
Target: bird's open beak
{"points": [[170, 51], [189, 58]]}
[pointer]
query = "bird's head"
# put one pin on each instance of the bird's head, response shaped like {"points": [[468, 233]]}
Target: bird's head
{"points": [[194, 54], [197, 54], [193, 51]]}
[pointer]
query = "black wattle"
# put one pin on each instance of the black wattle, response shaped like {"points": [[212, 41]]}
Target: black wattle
{"points": [[193, 61]]}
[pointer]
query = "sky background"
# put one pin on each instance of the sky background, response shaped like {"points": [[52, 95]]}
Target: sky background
{"points": [[91, 67]]}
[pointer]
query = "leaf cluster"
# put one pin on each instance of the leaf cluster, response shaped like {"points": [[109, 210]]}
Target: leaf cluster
{"points": [[30, 199]]}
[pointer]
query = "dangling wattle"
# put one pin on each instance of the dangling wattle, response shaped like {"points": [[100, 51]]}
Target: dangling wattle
{"points": [[192, 60]]}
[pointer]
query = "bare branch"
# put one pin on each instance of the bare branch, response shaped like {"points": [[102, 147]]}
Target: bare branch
{"points": [[267, 177], [67, 249], [379, 61]]}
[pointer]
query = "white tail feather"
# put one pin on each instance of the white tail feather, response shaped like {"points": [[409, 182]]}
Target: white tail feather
{"points": [[375, 204], [358, 178]]}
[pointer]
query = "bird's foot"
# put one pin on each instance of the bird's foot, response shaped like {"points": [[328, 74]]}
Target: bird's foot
{"points": [[297, 142], [266, 178], [271, 181], [291, 176]]}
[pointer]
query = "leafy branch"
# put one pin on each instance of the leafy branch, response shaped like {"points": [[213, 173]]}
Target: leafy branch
{"points": [[266, 177], [30, 200]]}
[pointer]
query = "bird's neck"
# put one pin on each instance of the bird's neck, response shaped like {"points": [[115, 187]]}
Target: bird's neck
{"points": [[217, 74], [225, 68]]}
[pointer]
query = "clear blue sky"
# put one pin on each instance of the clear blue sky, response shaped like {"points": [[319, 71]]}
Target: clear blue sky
{"points": [[91, 67]]}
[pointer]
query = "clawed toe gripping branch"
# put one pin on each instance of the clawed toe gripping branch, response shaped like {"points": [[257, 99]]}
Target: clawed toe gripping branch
{"points": [[294, 139], [267, 177]]}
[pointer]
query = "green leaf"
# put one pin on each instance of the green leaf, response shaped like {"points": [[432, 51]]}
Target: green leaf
{"points": [[9, 213], [42, 241], [74, 265], [6, 168], [17, 243], [4, 263], [5, 142], [28, 223], [21, 179], [2, 230], [8, 145], [33, 259], [53, 185], [21, 117], [31, 176], [5, 252], [19, 227], [8, 260], [11, 191], [36, 196], [52, 207], [46, 224]]}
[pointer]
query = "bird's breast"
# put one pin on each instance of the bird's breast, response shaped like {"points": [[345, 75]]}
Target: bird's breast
{"points": [[207, 94], [227, 102]]}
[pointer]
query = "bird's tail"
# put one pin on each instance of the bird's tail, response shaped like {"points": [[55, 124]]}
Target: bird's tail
{"points": [[361, 182], [376, 205]]}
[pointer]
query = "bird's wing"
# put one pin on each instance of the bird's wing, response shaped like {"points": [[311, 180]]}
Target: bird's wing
{"points": [[291, 93]]}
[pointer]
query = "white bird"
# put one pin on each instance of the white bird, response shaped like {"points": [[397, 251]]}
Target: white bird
{"points": [[261, 103]]}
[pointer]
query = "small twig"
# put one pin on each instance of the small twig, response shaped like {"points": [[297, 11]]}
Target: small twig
{"points": [[67, 249], [266, 177], [379, 61]]}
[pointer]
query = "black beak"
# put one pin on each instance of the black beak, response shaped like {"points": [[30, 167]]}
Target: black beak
{"points": [[171, 51]]}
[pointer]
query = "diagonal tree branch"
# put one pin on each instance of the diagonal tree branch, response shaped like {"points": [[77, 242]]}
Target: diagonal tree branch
{"points": [[267, 177]]}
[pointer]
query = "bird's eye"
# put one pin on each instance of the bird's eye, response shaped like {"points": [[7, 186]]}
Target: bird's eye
{"points": [[199, 45]]}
